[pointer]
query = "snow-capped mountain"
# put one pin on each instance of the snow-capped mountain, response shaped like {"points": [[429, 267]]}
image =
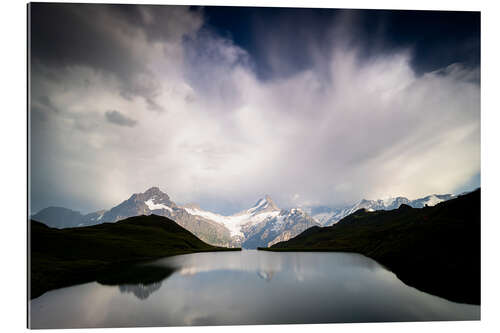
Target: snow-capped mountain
{"points": [[328, 216], [431, 200], [264, 208], [264, 224], [257, 226], [261, 225], [281, 227], [152, 201]]}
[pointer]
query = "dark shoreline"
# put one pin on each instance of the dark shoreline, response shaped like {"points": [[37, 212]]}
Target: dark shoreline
{"points": [[407, 278], [64, 257], [97, 273], [434, 249]]}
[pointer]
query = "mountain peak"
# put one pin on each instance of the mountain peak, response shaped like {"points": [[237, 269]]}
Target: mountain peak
{"points": [[270, 202], [153, 190], [154, 193], [265, 204]]}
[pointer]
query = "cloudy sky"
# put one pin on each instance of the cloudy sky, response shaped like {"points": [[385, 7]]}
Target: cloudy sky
{"points": [[221, 105]]}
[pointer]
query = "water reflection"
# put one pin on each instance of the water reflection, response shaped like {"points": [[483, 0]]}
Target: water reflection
{"points": [[140, 280], [265, 275], [264, 263], [247, 287], [141, 291]]}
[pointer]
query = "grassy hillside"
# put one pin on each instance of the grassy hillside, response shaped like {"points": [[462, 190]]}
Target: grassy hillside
{"points": [[435, 249], [63, 257]]}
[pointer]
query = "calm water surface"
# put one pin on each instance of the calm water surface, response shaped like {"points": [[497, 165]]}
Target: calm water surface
{"points": [[248, 287]]}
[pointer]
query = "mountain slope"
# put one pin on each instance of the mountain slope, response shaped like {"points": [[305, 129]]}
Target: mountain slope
{"points": [[59, 217], [61, 257], [264, 224], [212, 228], [436, 249], [261, 225], [264, 209], [283, 226], [430, 200], [152, 201]]}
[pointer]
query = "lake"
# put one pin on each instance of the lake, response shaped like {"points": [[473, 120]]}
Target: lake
{"points": [[248, 287]]}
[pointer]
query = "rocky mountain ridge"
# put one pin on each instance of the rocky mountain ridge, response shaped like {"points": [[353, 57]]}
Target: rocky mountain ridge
{"points": [[262, 225]]}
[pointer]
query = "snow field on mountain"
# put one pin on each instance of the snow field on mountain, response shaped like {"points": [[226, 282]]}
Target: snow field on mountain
{"points": [[235, 222]]}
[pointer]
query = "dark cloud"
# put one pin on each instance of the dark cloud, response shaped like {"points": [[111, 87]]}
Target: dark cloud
{"points": [[281, 41], [115, 117], [102, 37], [284, 41], [162, 23], [71, 34]]}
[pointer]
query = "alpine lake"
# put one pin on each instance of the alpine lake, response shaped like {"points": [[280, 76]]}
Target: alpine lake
{"points": [[247, 287]]}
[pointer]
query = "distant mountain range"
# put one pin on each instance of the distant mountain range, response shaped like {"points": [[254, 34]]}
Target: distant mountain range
{"points": [[262, 225], [153, 201], [327, 216]]}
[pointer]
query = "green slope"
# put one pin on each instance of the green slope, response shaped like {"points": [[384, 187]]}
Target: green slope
{"points": [[63, 257], [435, 249]]}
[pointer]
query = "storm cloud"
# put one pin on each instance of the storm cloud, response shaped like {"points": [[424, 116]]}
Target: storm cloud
{"points": [[211, 120]]}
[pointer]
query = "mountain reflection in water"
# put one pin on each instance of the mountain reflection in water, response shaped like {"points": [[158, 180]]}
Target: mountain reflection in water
{"points": [[141, 280], [244, 288], [141, 291]]}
